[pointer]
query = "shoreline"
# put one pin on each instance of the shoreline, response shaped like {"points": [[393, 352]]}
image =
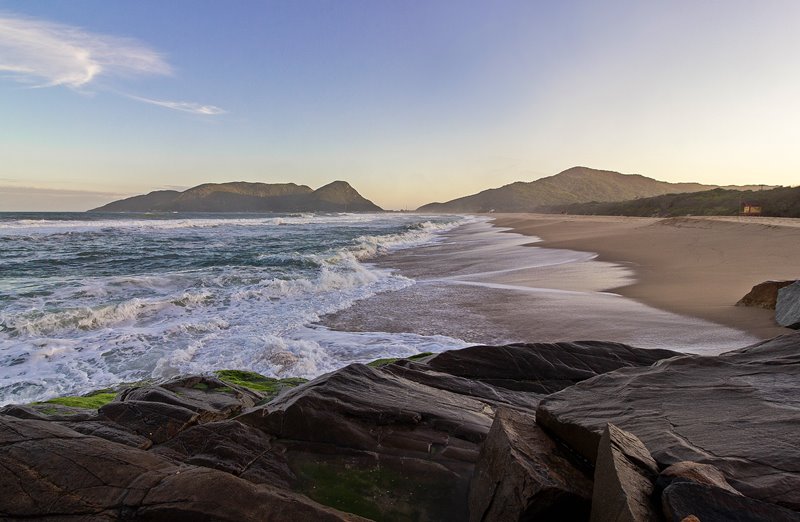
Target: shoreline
{"points": [[484, 286], [693, 266]]}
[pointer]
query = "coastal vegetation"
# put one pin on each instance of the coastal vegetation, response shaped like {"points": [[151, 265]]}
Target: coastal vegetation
{"points": [[775, 202]]}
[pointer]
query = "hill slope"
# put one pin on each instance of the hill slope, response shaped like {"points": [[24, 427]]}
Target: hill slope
{"points": [[575, 185], [776, 202], [241, 196]]}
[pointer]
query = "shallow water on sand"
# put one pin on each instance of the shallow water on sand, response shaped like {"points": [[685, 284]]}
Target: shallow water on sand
{"points": [[484, 285]]}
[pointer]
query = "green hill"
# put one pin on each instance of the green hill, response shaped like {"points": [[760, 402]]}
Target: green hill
{"points": [[575, 185], [775, 202], [241, 196]]}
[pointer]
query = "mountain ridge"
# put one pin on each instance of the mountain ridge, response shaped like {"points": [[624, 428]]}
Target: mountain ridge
{"points": [[243, 196], [574, 185]]}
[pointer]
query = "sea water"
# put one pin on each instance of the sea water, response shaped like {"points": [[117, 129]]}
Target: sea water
{"points": [[92, 300]]}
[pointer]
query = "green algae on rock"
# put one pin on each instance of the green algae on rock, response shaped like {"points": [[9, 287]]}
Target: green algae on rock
{"points": [[90, 401], [257, 382], [383, 362]]}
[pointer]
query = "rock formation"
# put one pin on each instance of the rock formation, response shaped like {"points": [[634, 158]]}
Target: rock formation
{"points": [[738, 411], [522, 474], [624, 477], [689, 500], [787, 307], [449, 437], [763, 295]]}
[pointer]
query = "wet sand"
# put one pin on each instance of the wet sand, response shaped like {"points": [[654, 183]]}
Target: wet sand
{"points": [[696, 266], [485, 285]]}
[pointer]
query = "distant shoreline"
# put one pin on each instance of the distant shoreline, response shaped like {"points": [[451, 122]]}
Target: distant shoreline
{"points": [[695, 266]]}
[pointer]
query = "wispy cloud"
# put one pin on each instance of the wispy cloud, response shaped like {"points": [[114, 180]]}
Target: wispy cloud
{"points": [[194, 108], [47, 54]]}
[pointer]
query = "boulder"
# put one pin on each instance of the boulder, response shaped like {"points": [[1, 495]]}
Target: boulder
{"points": [[156, 421], [110, 431], [495, 396], [763, 295], [362, 424], [522, 474], [53, 473], [542, 368], [205, 395], [694, 472], [416, 427], [365, 408], [787, 308], [738, 411], [623, 479], [683, 501], [232, 447]]}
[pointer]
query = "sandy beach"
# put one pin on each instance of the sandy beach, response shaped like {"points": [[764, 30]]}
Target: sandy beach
{"points": [[646, 282], [696, 266]]}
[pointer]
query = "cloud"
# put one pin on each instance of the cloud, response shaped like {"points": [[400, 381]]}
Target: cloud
{"points": [[48, 54], [194, 108]]}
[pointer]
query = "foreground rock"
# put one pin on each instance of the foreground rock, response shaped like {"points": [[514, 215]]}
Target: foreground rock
{"points": [[763, 295], [523, 475], [738, 411], [787, 308], [684, 500], [416, 428], [623, 479], [404, 441], [694, 472], [543, 368], [52, 472]]}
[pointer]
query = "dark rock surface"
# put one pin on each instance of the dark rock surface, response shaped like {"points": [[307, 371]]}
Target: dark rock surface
{"points": [[624, 478], [738, 411], [381, 423], [51, 472], [787, 308], [522, 474], [706, 503], [232, 447], [543, 368], [401, 442], [694, 472], [763, 295], [156, 421]]}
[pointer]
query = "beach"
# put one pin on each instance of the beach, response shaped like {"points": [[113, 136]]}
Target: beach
{"points": [[695, 266], [493, 282]]}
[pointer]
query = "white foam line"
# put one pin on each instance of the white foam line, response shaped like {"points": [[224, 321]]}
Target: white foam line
{"points": [[530, 289], [590, 257]]}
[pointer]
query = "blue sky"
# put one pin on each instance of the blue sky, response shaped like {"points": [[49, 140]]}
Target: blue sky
{"points": [[409, 101]]}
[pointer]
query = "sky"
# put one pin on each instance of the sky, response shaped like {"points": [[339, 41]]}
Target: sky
{"points": [[411, 101]]}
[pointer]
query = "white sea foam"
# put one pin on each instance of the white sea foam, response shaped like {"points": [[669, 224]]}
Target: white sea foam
{"points": [[51, 226], [74, 330]]}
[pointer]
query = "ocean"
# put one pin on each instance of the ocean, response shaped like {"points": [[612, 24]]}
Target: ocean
{"points": [[89, 301]]}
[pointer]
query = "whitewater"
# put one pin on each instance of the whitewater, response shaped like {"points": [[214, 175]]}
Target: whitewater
{"points": [[88, 301]]}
